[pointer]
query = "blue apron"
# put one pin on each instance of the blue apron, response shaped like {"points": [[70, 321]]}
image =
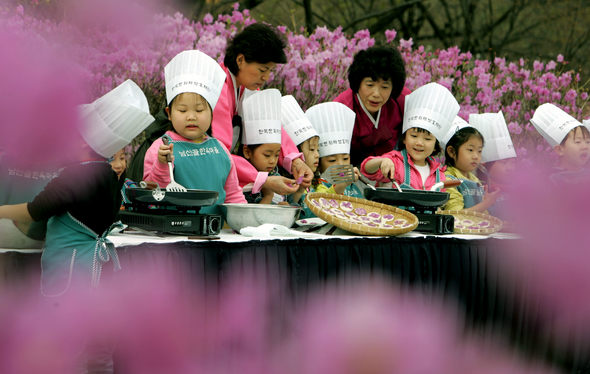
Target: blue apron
{"points": [[472, 191], [74, 252], [203, 166], [353, 191], [407, 166]]}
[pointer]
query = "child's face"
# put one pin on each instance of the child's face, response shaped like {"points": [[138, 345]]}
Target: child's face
{"points": [[264, 157], [575, 152], [190, 115], [469, 155], [339, 159], [419, 145], [310, 149], [374, 94], [501, 170], [119, 163]]}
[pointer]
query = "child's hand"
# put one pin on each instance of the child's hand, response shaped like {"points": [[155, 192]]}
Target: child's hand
{"points": [[267, 195], [387, 168], [281, 185], [489, 198], [357, 174], [165, 150]]}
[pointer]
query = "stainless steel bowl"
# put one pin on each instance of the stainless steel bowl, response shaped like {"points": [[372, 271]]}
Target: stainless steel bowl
{"points": [[243, 215]]}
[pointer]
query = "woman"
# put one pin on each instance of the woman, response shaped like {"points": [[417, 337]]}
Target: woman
{"points": [[249, 59], [377, 96]]}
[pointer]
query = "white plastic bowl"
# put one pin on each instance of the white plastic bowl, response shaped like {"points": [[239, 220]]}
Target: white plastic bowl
{"points": [[243, 215]]}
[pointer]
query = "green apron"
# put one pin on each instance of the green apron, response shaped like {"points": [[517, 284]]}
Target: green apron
{"points": [[407, 166], [203, 166], [73, 252], [472, 191]]}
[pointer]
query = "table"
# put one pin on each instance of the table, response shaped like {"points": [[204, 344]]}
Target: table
{"points": [[459, 267]]}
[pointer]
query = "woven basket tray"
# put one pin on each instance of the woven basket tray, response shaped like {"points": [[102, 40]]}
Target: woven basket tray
{"points": [[467, 222], [360, 216]]}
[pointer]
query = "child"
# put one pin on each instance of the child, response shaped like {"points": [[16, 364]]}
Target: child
{"points": [[429, 112], [81, 203], [498, 158], [306, 138], [462, 156], [193, 84], [119, 162], [570, 140], [261, 141], [334, 123]]}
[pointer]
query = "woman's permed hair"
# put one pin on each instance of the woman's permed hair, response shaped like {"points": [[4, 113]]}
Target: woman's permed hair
{"points": [[461, 137], [378, 63], [258, 43]]}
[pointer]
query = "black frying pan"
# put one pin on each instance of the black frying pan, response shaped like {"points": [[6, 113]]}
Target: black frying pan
{"points": [[163, 197], [408, 197]]}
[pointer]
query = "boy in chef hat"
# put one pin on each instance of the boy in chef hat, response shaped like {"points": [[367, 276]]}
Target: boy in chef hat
{"points": [[334, 123], [193, 85], [463, 146], [498, 158], [82, 202], [569, 138], [428, 114], [306, 138], [261, 140]]}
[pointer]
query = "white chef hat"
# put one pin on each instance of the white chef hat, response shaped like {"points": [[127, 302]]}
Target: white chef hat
{"points": [[295, 123], [497, 142], [194, 71], [334, 123], [553, 123], [586, 123], [113, 120], [262, 117], [458, 124], [431, 107]]}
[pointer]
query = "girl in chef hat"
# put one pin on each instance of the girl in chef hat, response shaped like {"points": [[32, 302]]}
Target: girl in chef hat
{"points": [[569, 138], [498, 158], [261, 141], [428, 114], [463, 146], [193, 85], [81, 203], [306, 138], [334, 123]]}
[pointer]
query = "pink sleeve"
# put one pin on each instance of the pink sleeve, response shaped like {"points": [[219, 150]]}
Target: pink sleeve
{"points": [[153, 170], [289, 151], [233, 191], [246, 172], [378, 175], [221, 123]]}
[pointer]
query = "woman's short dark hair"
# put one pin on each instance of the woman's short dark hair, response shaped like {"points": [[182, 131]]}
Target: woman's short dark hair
{"points": [[378, 63], [461, 137], [258, 43]]}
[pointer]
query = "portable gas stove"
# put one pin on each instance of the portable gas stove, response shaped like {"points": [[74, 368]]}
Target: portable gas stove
{"points": [[171, 212], [423, 204]]}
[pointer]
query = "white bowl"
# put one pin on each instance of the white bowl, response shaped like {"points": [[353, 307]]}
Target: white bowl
{"points": [[243, 215]]}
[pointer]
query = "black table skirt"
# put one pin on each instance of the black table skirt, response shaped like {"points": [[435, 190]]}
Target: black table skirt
{"points": [[459, 270]]}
